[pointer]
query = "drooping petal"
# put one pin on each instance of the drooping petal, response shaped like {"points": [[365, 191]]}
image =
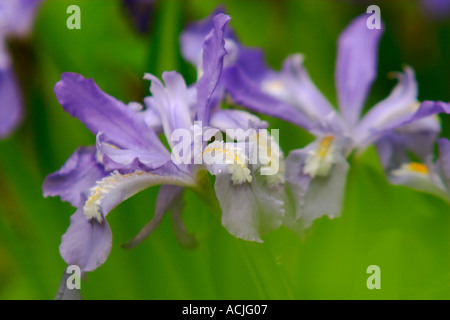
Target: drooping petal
{"points": [[251, 203], [121, 126], [212, 61], [184, 238], [318, 195], [76, 176], [86, 244], [10, 99], [356, 67], [420, 177], [117, 187], [249, 211], [168, 196]]}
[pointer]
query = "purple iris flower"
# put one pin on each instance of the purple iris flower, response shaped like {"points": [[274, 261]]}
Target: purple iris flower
{"points": [[317, 173], [16, 17], [129, 157]]}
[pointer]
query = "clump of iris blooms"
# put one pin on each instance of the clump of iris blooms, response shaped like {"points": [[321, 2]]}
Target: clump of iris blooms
{"points": [[316, 174], [129, 157]]}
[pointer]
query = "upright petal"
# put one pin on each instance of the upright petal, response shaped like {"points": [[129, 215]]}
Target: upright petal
{"points": [[122, 126], [80, 172], [172, 102], [213, 55], [192, 38], [356, 67], [248, 94]]}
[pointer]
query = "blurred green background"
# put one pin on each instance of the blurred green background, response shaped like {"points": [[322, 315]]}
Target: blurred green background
{"points": [[404, 232]]}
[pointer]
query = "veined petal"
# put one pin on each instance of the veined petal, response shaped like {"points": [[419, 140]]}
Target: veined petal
{"points": [[318, 195], [10, 100], [249, 210], [86, 244], [212, 61], [76, 176], [298, 90], [122, 126], [115, 188], [251, 203], [356, 67], [129, 159]]}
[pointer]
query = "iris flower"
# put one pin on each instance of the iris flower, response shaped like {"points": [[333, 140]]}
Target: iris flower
{"points": [[129, 157], [16, 17], [316, 174]]}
